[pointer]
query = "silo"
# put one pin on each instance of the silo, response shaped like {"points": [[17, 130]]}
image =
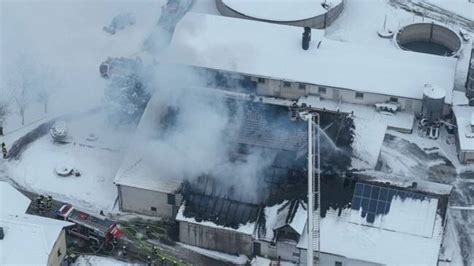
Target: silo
{"points": [[433, 102]]}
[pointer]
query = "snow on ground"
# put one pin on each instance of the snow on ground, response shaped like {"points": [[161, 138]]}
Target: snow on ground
{"points": [[97, 162], [87, 260], [463, 8], [237, 260]]}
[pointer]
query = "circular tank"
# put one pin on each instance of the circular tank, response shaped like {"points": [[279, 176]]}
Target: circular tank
{"points": [[304, 13], [433, 102], [429, 38]]}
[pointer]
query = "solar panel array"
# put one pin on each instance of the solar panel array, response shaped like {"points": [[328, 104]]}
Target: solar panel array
{"points": [[375, 200]]}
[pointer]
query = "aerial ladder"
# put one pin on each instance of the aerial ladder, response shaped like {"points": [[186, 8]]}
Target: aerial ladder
{"points": [[314, 191]]}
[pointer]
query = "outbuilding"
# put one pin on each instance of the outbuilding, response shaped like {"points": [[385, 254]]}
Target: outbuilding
{"points": [[464, 116]]}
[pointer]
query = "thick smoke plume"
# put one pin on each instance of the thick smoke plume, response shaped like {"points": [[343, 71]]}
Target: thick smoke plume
{"points": [[186, 134]]}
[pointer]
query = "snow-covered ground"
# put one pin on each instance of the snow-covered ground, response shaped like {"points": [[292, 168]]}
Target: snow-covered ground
{"points": [[97, 161], [236, 260], [87, 260], [463, 8]]}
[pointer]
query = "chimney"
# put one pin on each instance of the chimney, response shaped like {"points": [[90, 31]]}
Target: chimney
{"points": [[306, 38], [414, 185]]}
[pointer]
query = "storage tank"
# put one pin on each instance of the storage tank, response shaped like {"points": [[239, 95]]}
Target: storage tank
{"points": [[433, 102]]}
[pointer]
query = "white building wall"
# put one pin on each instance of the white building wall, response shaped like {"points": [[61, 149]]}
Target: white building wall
{"points": [[227, 241], [276, 88], [58, 252], [142, 201]]}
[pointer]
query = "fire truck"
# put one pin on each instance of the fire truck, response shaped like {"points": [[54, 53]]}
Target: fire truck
{"points": [[88, 227]]}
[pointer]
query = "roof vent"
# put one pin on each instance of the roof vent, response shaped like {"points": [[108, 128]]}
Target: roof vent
{"points": [[306, 38]]}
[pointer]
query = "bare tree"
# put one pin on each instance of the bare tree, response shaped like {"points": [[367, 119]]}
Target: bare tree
{"points": [[45, 85], [3, 108], [20, 83]]}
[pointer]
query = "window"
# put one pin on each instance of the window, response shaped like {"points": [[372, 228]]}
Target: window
{"points": [[302, 86], [359, 95], [171, 199], [337, 263], [286, 84], [153, 209], [261, 80], [394, 99], [322, 90], [59, 253], [295, 254]]}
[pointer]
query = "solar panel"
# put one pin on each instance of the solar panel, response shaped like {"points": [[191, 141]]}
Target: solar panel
{"points": [[375, 200]]}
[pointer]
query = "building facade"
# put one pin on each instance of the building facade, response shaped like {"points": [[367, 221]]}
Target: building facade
{"points": [[149, 202]]}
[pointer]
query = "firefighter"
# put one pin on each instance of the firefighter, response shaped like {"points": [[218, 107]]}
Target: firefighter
{"points": [[4, 150], [42, 206], [124, 251], [39, 199], [49, 203], [156, 251], [148, 231]]}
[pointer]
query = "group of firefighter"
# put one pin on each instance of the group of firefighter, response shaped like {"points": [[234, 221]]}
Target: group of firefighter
{"points": [[4, 150], [44, 203]]}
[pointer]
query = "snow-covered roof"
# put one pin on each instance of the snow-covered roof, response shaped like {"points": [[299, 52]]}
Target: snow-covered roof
{"points": [[143, 174], [409, 234], [292, 214], [12, 201], [287, 213], [39, 233], [463, 120], [274, 51], [280, 10], [247, 228]]}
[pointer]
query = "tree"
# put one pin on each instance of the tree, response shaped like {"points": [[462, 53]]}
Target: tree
{"points": [[126, 98], [21, 83]]}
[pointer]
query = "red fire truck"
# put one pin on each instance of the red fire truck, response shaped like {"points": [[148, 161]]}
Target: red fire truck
{"points": [[89, 227]]}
